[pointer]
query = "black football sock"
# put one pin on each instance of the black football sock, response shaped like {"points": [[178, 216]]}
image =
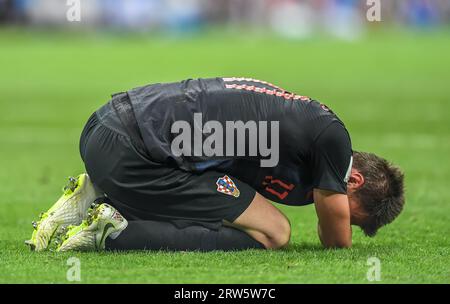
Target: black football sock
{"points": [[155, 235]]}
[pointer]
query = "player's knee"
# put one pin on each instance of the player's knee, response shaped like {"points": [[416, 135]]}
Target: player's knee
{"points": [[280, 236]]}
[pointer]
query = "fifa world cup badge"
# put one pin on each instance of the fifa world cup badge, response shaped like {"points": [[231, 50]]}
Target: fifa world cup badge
{"points": [[227, 186]]}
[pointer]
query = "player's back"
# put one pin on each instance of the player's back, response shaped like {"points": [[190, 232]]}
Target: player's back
{"points": [[228, 109]]}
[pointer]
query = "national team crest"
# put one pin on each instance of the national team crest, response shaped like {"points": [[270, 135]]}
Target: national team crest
{"points": [[227, 186]]}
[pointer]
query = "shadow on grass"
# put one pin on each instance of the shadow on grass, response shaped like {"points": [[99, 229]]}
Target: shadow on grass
{"points": [[299, 247], [18, 248], [360, 247]]}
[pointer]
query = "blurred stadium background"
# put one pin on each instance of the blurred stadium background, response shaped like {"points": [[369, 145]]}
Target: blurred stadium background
{"points": [[290, 18], [388, 81]]}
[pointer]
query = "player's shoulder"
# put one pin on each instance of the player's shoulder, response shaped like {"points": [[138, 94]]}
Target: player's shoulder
{"points": [[333, 135], [322, 118]]}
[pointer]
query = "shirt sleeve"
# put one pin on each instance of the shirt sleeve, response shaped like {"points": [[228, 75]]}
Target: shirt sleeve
{"points": [[332, 159]]}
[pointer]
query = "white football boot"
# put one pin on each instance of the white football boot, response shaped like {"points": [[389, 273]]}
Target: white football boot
{"points": [[103, 221], [70, 209]]}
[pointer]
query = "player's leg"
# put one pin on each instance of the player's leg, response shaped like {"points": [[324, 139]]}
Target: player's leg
{"points": [[253, 221], [260, 226], [265, 223], [181, 211], [161, 235]]}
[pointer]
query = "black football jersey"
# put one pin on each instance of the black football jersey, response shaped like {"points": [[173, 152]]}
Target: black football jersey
{"points": [[282, 144]]}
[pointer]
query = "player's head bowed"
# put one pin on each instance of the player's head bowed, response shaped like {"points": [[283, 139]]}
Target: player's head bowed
{"points": [[377, 187]]}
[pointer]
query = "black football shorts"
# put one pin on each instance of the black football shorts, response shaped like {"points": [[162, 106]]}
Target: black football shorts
{"points": [[142, 189]]}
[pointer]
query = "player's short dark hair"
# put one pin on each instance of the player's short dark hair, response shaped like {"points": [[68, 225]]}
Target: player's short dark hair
{"points": [[382, 194]]}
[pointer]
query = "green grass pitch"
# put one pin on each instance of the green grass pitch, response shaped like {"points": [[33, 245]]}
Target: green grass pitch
{"points": [[391, 90]]}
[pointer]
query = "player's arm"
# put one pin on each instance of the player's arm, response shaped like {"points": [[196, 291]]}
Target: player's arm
{"points": [[333, 211], [331, 164]]}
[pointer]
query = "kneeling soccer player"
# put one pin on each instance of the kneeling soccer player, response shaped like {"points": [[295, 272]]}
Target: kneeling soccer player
{"points": [[193, 165]]}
